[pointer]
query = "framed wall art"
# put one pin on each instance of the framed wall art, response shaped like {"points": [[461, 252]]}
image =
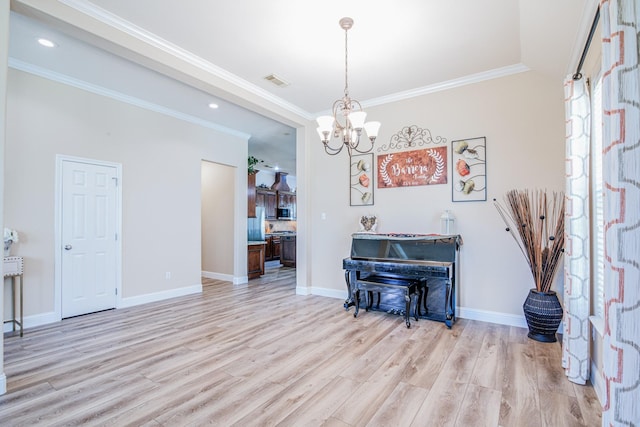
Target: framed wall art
{"points": [[411, 168], [361, 180], [469, 166]]}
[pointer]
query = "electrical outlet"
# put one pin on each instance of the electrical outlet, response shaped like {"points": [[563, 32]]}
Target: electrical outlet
{"points": [[167, 275]]}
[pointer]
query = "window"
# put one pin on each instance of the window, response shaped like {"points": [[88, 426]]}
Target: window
{"points": [[597, 201]]}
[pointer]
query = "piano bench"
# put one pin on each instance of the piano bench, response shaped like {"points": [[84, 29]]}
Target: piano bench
{"points": [[409, 288]]}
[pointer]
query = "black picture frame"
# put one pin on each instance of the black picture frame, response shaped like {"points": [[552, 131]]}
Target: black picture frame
{"points": [[469, 170]]}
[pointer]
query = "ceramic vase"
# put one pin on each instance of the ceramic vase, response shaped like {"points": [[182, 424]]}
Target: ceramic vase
{"points": [[543, 313]]}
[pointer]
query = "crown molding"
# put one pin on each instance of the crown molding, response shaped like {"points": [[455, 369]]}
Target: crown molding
{"points": [[114, 21], [449, 84], [99, 90]]}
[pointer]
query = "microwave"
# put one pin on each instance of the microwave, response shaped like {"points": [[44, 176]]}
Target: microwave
{"points": [[284, 213]]}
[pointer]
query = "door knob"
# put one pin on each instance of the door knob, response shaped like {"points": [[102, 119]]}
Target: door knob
{"points": [[67, 247]]}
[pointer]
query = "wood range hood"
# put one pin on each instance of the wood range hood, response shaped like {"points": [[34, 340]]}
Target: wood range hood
{"points": [[281, 182]]}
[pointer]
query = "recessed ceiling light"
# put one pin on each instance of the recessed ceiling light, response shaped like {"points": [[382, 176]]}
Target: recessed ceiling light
{"points": [[213, 105], [276, 168], [46, 43]]}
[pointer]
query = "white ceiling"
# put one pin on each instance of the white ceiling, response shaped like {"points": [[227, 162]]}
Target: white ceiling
{"points": [[396, 50]]}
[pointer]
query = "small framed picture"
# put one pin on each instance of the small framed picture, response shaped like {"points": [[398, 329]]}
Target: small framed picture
{"points": [[469, 170], [361, 180]]}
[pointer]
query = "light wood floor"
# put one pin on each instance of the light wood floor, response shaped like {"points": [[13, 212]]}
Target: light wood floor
{"points": [[258, 355]]}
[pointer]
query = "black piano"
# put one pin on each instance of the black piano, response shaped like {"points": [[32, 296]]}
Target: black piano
{"points": [[430, 258]]}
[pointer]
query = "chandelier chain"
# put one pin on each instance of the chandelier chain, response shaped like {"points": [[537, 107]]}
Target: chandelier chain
{"points": [[347, 122], [346, 63]]}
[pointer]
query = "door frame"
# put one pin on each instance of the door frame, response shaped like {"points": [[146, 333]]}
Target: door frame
{"points": [[57, 295]]}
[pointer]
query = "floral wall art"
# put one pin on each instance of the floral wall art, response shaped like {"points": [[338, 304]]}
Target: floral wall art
{"points": [[410, 168], [468, 160], [361, 180]]}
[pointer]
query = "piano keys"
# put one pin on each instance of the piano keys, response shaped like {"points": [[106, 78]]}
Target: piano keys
{"points": [[433, 258]]}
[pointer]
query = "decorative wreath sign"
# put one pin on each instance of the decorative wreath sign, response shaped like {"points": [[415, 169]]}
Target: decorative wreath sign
{"points": [[411, 168]]}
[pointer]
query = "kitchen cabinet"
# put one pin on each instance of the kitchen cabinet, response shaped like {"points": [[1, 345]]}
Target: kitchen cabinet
{"points": [[251, 195], [255, 260], [288, 254], [287, 199], [267, 199], [272, 250]]}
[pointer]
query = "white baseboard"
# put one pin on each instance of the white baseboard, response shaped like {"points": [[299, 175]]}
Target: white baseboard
{"points": [[3, 383], [491, 317], [217, 276], [598, 382], [226, 277], [159, 296], [462, 312], [326, 292], [48, 318], [302, 290], [34, 320]]}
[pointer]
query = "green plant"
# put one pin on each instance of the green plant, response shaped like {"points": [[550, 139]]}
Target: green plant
{"points": [[252, 162], [536, 222]]}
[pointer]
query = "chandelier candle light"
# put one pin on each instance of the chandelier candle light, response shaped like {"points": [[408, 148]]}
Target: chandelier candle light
{"points": [[347, 122]]}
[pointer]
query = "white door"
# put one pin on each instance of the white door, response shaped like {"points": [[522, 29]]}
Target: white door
{"points": [[88, 234]]}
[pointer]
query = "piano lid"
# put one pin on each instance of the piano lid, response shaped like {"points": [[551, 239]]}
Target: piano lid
{"points": [[417, 248]]}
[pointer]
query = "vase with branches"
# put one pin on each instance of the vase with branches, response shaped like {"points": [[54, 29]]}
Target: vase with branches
{"points": [[535, 220]]}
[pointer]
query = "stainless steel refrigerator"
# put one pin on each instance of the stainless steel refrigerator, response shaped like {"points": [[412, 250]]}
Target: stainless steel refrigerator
{"points": [[255, 226]]}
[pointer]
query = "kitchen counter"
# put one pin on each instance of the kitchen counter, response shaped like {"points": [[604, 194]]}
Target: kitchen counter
{"points": [[256, 242]]}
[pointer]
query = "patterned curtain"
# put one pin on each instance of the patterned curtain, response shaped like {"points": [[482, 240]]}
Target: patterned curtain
{"points": [[621, 169], [577, 286]]}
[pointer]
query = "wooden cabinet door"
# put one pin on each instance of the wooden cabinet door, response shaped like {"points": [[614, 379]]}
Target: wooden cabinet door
{"points": [[267, 199], [294, 210], [251, 195], [260, 198], [267, 249], [288, 254], [255, 261], [275, 247], [270, 206]]}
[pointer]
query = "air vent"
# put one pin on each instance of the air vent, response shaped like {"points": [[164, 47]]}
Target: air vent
{"points": [[276, 80]]}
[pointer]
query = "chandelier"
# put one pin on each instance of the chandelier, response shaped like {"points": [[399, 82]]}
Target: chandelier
{"points": [[346, 124]]}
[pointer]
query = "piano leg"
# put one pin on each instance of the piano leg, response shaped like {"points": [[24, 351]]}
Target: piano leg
{"points": [[426, 295], [407, 314], [369, 300], [350, 283], [357, 298], [450, 305]]}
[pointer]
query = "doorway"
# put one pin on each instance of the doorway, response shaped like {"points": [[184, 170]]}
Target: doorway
{"points": [[87, 235], [218, 193]]}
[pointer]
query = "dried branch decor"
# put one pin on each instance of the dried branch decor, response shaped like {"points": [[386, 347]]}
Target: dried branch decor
{"points": [[536, 222]]}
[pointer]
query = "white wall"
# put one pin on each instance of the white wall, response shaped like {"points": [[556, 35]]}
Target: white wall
{"points": [[161, 162], [522, 118], [218, 193], [4, 49]]}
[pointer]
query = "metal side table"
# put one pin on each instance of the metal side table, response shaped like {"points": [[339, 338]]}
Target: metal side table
{"points": [[13, 269]]}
